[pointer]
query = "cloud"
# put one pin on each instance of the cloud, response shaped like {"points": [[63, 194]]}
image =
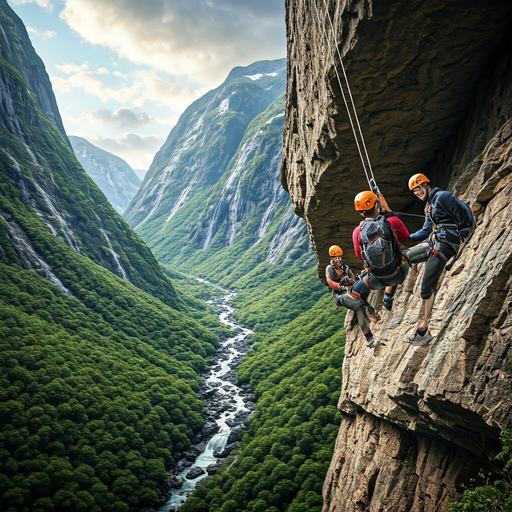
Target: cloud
{"points": [[137, 151], [122, 118], [70, 68], [44, 34], [44, 4], [85, 80], [135, 89], [199, 38]]}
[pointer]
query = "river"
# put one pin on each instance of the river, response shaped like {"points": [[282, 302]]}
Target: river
{"points": [[227, 405]]}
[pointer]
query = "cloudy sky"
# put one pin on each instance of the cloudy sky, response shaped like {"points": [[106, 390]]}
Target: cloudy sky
{"points": [[123, 71]]}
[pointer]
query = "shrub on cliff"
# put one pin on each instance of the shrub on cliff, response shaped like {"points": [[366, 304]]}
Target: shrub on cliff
{"points": [[495, 496]]}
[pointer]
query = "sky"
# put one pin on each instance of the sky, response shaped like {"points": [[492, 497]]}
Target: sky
{"points": [[123, 71]]}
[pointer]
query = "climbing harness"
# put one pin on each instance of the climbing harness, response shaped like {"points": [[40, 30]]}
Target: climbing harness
{"points": [[358, 134]]}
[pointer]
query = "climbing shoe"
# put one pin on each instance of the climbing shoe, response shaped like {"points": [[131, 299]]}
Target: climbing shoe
{"points": [[417, 340], [387, 303], [372, 342]]}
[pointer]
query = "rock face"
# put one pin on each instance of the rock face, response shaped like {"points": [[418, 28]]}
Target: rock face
{"points": [[22, 56], [432, 85]]}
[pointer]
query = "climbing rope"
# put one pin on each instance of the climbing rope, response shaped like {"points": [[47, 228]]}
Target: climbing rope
{"points": [[408, 214], [358, 135]]}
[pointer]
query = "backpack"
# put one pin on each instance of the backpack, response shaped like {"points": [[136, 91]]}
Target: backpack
{"points": [[379, 246], [468, 225], [463, 217]]}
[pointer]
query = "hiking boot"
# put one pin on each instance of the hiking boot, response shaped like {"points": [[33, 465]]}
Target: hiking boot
{"points": [[387, 302], [418, 340], [372, 342]]}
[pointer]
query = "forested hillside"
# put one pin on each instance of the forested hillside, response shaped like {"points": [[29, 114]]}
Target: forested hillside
{"points": [[99, 363], [101, 352], [295, 372]]}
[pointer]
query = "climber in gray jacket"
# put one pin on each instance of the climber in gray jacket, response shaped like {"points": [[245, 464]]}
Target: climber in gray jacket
{"points": [[448, 222], [340, 279]]}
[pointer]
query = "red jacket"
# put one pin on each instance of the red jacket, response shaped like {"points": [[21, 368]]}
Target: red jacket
{"points": [[402, 233]]}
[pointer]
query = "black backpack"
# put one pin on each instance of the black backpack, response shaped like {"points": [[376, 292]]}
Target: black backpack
{"points": [[467, 225], [379, 243]]}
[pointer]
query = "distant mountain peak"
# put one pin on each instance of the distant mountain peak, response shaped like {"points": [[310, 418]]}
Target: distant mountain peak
{"points": [[115, 178]]}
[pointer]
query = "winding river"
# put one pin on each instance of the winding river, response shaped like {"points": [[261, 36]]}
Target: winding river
{"points": [[227, 405]]}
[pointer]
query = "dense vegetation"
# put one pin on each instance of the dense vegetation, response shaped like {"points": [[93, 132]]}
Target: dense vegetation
{"points": [[494, 494], [95, 398], [295, 372], [98, 374]]}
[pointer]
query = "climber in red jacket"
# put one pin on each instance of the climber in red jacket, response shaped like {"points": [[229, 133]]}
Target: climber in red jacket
{"points": [[378, 241], [341, 278]]}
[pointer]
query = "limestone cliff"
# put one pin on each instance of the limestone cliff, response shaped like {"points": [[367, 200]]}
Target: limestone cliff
{"points": [[432, 84]]}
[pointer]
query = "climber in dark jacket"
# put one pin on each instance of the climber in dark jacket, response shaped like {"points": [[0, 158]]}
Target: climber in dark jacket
{"points": [[340, 278], [448, 221]]}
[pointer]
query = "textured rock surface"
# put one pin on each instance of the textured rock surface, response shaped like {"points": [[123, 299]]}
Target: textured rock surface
{"points": [[413, 68], [433, 87], [19, 53]]}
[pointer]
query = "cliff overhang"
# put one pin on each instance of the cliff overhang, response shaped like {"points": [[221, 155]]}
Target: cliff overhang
{"points": [[432, 86]]}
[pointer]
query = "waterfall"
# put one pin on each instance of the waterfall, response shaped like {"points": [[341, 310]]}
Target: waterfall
{"points": [[29, 257], [121, 271]]}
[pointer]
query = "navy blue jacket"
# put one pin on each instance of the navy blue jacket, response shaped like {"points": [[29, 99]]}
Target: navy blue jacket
{"points": [[444, 210]]}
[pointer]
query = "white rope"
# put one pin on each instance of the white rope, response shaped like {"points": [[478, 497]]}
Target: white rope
{"points": [[366, 164]]}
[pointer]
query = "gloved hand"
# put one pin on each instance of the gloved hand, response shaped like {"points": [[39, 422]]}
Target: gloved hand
{"points": [[347, 281]]}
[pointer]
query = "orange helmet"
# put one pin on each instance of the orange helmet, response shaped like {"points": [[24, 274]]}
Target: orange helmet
{"points": [[417, 180], [335, 250], [365, 201]]}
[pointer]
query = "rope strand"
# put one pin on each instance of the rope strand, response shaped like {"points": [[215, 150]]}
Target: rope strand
{"points": [[349, 92], [322, 26], [366, 165]]}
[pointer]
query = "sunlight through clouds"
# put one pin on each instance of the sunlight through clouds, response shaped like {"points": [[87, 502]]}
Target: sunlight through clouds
{"points": [[199, 38], [142, 87], [118, 66]]}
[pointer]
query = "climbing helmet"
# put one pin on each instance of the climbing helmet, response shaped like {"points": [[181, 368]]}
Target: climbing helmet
{"points": [[417, 180], [365, 201], [335, 250]]}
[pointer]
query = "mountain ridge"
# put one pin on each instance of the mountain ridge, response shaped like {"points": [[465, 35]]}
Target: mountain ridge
{"points": [[214, 184], [116, 179]]}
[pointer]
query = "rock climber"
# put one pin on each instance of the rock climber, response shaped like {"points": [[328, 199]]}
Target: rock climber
{"points": [[378, 241], [448, 222], [340, 278]]}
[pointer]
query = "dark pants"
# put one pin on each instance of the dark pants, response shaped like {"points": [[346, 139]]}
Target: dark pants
{"points": [[378, 283], [443, 251]]}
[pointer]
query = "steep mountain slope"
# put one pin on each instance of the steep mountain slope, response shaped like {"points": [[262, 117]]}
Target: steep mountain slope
{"points": [[213, 186], [16, 49], [99, 365], [418, 422], [115, 178], [42, 176]]}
